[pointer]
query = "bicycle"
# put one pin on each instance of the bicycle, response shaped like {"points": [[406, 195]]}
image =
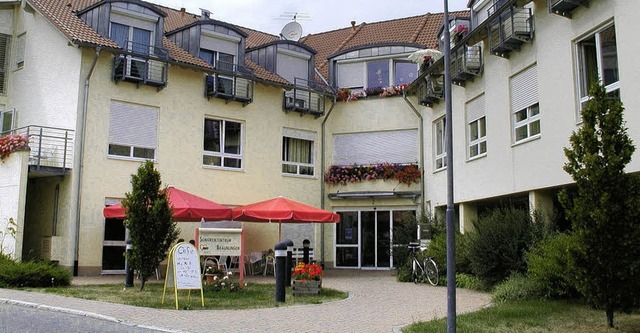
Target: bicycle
{"points": [[426, 270]]}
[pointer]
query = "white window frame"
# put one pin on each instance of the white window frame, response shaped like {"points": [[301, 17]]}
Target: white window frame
{"points": [[20, 50], [304, 136], [583, 96], [439, 144], [221, 154], [527, 123], [391, 61], [7, 113], [481, 141]]}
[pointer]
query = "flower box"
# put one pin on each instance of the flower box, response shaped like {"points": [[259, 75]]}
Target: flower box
{"points": [[306, 287]]}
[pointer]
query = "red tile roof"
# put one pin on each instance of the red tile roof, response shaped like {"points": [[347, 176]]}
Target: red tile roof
{"points": [[419, 30]]}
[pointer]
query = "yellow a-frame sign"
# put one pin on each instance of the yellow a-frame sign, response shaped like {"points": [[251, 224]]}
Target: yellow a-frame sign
{"points": [[183, 271]]}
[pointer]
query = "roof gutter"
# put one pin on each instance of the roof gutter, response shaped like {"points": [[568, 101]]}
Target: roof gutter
{"points": [[421, 130], [81, 131], [322, 186]]}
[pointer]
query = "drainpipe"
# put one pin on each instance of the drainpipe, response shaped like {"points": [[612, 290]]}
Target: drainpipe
{"points": [[421, 129], [322, 187], [81, 128]]}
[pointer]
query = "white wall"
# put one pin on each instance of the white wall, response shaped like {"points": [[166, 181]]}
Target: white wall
{"points": [[518, 168], [46, 90]]}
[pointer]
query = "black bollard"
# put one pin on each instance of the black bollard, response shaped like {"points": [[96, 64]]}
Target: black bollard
{"points": [[305, 251], [128, 280], [280, 270], [289, 261]]}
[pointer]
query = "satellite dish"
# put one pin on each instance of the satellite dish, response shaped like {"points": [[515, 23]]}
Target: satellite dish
{"points": [[292, 31]]}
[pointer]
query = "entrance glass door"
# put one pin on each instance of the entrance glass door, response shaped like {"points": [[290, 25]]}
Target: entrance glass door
{"points": [[364, 238], [376, 239]]}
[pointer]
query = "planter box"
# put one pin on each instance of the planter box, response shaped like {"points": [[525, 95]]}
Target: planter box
{"points": [[309, 287]]}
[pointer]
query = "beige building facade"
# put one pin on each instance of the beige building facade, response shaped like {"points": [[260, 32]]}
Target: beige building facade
{"points": [[237, 116]]}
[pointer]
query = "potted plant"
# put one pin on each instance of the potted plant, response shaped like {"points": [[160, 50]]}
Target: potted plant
{"points": [[307, 279], [212, 272]]}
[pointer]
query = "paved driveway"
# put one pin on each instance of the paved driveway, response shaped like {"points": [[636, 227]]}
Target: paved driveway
{"points": [[376, 303]]}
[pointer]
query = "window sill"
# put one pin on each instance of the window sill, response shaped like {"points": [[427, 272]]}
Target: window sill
{"points": [[439, 170], [130, 159], [293, 175], [477, 157], [529, 139], [215, 167]]}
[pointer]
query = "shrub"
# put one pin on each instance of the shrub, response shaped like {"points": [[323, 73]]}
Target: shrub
{"points": [[468, 281], [549, 265], [31, 274], [496, 248], [438, 251], [517, 287]]}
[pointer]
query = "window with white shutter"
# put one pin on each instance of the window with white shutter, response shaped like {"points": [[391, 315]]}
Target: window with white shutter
{"points": [[298, 152], [399, 146], [524, 105], [20, 50], [133, 130], [476, 127]]}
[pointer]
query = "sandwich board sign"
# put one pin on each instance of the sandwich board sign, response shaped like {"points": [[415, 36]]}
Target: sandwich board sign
{"points": [[183, 270]]}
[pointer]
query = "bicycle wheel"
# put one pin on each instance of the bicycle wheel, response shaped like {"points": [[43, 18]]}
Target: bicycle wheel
{"points": [[431, 271], [416, 273]]}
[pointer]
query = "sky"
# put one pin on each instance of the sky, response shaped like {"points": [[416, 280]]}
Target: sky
{"points": [[314, 16]]}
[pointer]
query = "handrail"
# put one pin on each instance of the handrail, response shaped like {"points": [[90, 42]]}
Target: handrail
{"points": [[50, 146]]}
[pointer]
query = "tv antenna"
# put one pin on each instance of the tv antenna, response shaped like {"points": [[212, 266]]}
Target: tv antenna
{"points": [[294, 16]]}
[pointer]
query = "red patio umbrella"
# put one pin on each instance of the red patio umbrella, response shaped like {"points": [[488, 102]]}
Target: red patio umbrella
{"points": [[283, 210], [187, 207]]}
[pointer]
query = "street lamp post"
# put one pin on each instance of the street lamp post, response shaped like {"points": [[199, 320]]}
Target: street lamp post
{"points": [[451, 258]]}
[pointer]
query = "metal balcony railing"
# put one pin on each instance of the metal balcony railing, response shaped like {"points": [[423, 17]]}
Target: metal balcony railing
{"points": [[565, 7], [231, 82], [306, 97], [146, 64], [466, 63], [432, 90], [50, 147], [509, 30]]}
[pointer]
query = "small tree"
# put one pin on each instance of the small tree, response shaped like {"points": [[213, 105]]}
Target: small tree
{"points": [[605, 208], [149, 220]]}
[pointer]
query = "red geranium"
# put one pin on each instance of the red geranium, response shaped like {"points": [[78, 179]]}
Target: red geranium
{"points": [[307, 272]]}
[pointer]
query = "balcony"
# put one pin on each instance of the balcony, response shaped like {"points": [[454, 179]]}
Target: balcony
{"points": [[459, 27], [142, 64], [466, 63], [51, 150], [509, 30], [231, 82], [432, 90], [565, 7], [306, 97]]}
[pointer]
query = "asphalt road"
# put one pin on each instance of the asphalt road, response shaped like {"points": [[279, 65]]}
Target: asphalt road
{"points": [[19, 318]]}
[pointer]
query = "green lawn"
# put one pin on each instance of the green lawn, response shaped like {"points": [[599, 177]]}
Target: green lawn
{"points": [[534, 316], [252, 296]]}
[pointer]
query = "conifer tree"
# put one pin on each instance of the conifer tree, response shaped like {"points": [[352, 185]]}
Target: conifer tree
{"points": [[604, 210], [149, 220]]}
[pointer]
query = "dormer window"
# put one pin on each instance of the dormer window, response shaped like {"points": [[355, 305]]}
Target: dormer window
{"points": [[374, 68], [132, 39], [221, 45], [137, 28]]}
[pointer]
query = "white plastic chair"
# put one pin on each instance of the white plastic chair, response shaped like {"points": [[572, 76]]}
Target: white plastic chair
{"points": [[270, 260]]}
